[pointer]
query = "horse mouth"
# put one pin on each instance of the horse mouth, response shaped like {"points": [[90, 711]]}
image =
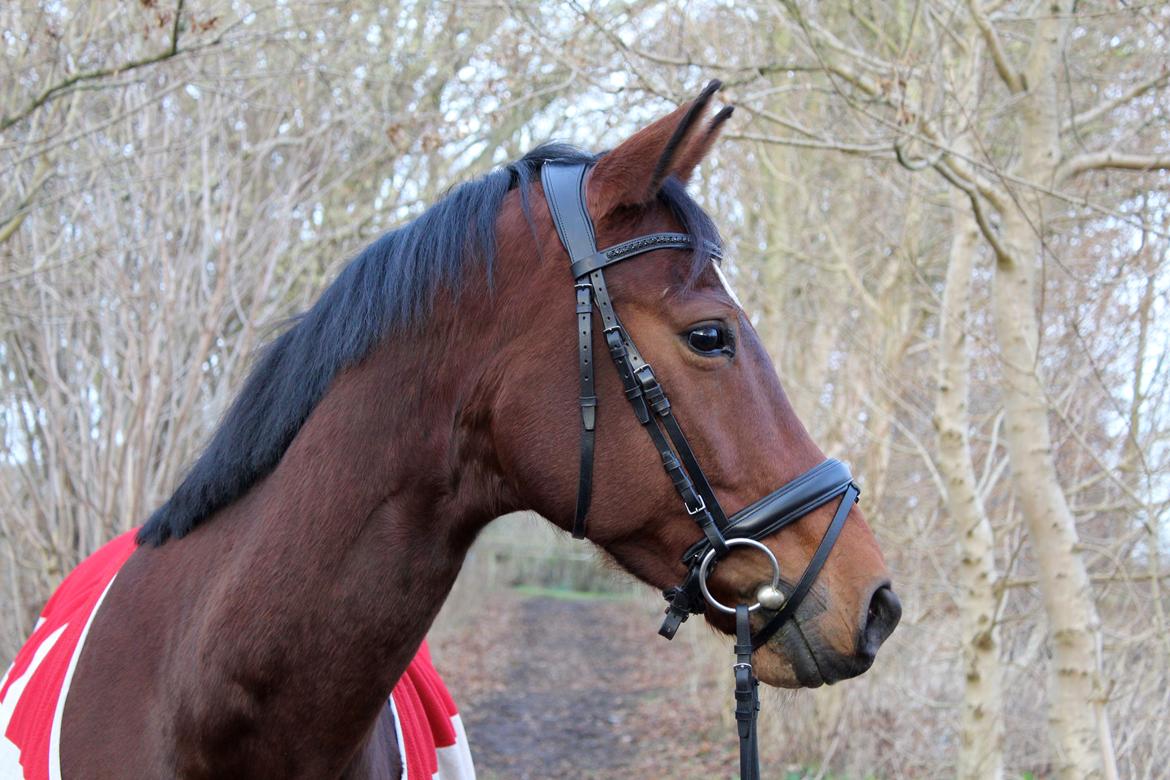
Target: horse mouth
{"points": [[806, 659], [808, 671], [811, 662], [791, 648]]}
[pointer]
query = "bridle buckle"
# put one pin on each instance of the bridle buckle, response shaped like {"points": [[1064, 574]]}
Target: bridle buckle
{"points": [[700, 509]]}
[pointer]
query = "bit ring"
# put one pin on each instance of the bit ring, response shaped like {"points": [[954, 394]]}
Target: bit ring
{"points": [[710, 556]]}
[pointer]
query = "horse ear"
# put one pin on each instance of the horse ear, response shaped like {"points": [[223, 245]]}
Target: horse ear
{"points": [[700, 144], [632, 174]]}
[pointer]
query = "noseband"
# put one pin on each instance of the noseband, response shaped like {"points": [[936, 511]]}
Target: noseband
{"points": [[564, 190]]}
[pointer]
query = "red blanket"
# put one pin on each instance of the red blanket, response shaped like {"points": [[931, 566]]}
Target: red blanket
{"points": [[33, 691]]}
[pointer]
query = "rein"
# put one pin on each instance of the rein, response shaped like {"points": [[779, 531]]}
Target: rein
{"points": [[564, 191]]}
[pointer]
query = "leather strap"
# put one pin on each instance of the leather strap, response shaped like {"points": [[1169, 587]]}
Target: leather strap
{"points": [[650, 405], [627, 249], [675, 432], [785, 505], [682, 600], [747, 697], [812, 570], [819, 485], [565, 193], [680, 476], [588, 403], [564, 190]]}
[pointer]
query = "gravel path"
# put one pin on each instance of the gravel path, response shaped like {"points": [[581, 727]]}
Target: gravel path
{"points": [[552, 688]]}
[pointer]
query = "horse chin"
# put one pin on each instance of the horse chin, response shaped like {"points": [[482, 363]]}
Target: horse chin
{"points": [[787, 662]]}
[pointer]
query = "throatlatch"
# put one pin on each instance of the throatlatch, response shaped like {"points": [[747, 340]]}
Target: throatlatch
{"points": [[564, 191]]}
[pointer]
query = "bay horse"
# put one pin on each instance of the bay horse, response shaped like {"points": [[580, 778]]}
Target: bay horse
{"points": [[262, 617]]}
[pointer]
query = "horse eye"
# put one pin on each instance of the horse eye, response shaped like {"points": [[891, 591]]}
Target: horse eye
{"points": [[708, 339]]}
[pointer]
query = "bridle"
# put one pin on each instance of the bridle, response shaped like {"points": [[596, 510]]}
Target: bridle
{"points": [[564, 191]]}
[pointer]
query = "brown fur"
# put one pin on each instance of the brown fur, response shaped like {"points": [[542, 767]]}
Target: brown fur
{"points": [[265, 643], [632, 174]]}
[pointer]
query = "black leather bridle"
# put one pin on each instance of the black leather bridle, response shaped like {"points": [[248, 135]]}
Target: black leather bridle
{"points": [[564, 191]]}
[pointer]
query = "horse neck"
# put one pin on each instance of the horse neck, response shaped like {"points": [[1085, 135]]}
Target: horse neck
{"points": [[328, 574]]}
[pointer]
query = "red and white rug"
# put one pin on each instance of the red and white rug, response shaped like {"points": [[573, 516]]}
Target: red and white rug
{"points": [[431, 739]]}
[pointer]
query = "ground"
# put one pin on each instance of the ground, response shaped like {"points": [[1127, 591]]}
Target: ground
{"points": [[550, 687]]}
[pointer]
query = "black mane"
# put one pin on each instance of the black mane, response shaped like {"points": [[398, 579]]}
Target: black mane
{"points": [[390, 284]]}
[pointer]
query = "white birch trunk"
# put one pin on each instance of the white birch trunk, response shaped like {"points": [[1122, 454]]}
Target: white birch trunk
{"points": [[981, 738], [1076, 695], [1077, 714]]}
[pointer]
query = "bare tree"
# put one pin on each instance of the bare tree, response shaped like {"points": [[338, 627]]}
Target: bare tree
{"points": [[182, 180], [948, 220], [1016, 108]]}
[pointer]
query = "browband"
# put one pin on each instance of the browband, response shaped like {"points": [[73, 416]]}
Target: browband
{"points": [[632, 248]]}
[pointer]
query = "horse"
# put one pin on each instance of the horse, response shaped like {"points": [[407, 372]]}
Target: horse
{"points": [[261, 618]]}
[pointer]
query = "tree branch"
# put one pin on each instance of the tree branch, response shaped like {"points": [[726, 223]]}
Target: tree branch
{"points": [[1111, 160], [806, 143], [1011, 77], [1105, 106], [100, 73], [1002, 255]]}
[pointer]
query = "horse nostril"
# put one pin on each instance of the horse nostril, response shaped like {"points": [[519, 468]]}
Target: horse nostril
{"points": [[885, 610]]}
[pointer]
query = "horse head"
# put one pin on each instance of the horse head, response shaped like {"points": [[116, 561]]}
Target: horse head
{"points": [[742, 436]]}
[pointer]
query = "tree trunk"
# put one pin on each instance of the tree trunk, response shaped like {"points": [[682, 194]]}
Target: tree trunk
{"points": [[1076, 696], [981, 745], [1077, 714]]}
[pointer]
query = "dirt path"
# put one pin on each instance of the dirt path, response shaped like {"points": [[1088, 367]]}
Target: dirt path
{"points": [[552, 688]]}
